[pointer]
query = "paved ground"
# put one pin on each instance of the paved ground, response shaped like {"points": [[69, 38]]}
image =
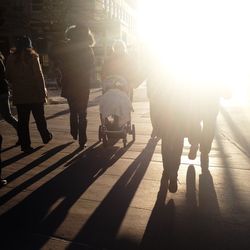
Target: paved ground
{"points": [[114, 198]]}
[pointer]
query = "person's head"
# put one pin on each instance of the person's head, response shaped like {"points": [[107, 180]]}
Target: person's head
{"points": [[80, 34], [119, 47], [23, 43], [23, 49]]}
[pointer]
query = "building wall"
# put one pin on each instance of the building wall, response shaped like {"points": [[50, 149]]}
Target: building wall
{"points": [[114, 19], [15, 21], [46, 20]]}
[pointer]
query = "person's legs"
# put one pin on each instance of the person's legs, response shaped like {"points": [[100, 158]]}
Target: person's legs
{"points": [[194, 136], [6, 112], [38, 113], [207, 136], [23, 113], [82, 123], [73, 119], [172, 147], [82, 128]]}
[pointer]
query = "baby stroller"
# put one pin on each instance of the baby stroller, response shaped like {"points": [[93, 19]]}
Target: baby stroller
{"points": [[115, 111]]}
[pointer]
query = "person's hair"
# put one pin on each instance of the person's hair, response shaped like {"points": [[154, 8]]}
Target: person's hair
{"points": [[23, 43], [23, 49], [80, 34], [119, 44]]}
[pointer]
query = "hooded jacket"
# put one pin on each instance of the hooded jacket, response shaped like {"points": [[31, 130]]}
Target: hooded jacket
{"points": [[77, 65]]}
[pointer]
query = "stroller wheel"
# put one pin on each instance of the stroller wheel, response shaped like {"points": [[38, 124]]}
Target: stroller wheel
{"points": [[100, 133], [133, 132]]}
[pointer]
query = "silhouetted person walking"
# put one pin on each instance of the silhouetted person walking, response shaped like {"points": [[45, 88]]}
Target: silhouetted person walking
{"points": [[4, 97], [120, 64], [23, 70], [170, 104], [204, 115], [77, 67]]}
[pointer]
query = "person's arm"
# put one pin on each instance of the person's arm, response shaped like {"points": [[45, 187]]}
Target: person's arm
{"points": [[37, 69], [8, 73], [3, 79], [2, 71]]}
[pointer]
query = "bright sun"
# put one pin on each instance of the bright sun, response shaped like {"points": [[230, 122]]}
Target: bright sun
{"points": [[207, 39]]}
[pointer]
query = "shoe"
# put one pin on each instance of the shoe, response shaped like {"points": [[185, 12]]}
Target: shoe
{"points": [[155, 135], [82, 146], [27, 149], [74, 135], [173, 186], [192, 152], [3, 182], [83, 143], [204, 162], [48, 139]]}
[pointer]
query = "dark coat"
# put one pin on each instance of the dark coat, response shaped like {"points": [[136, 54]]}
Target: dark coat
{"points": [[77, 66]]}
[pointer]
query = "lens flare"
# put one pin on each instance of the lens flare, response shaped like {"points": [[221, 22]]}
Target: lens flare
{"points": [[206, 42]]}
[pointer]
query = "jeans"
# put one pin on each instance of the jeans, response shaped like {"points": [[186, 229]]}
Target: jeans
{"points": [[23, 113], [78, 119], [6, 112]]}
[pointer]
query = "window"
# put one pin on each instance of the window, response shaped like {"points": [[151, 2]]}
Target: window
{"points": [[17, 5]]}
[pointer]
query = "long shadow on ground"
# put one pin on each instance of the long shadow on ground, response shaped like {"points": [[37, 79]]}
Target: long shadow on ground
{"points": [[13, 192], [236, 225], [102, 227], [236, 132], [160, 227], [191, 225], [18, 157], [31, 216]]}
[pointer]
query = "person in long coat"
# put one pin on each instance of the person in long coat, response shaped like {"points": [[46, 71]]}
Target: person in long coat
{"points": [[24, 72], [171, 117], [206, 102], [77, 64]]}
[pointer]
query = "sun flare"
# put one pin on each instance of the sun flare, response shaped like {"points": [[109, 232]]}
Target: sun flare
{"points": [[207, 40]]}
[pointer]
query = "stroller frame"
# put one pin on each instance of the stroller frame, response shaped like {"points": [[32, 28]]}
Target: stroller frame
{"points": [[105, 134], [108, 131]]}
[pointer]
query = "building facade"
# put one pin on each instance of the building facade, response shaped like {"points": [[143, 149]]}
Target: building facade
{"points": [[48, 19], [45, 21], [14, 21]]}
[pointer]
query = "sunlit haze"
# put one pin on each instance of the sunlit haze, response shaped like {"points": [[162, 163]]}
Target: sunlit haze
{"points": [[208, 41]]}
